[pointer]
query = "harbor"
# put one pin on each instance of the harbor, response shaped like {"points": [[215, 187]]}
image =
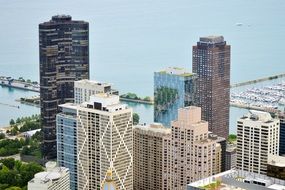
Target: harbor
{"points": [[269, 98]]}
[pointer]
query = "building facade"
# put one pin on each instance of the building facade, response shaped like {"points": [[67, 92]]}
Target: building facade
{"points": [[104, 143], [211, 63], [282, 135], [151, 158], [231, 157], [257, 137], [223, 143], [193, 155], [54, 178], [174, 88], [66, 133], [83, 89], [64, 58]]}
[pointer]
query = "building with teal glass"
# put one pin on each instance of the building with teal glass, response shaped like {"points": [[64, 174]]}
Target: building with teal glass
{"points": [[66, 132], [174, 88]]}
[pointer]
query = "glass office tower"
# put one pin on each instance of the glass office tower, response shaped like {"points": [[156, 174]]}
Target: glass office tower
{"points": [[174, 88]]}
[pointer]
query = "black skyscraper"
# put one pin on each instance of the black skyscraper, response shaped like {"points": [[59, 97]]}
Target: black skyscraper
{"points": [[64, 58]]}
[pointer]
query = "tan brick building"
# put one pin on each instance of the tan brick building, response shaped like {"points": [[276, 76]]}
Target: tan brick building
{"points": [[151, 157], [194, 155], [169, 159]]}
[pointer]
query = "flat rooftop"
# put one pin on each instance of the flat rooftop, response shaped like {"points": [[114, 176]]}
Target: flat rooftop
{"points": [[176, 71], [235, 179], [155, 127], [212, 39], [92, 82]]}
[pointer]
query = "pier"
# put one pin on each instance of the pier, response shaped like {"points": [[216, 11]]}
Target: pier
{"points": [[258, 80], [251, 107], [10, 105]]}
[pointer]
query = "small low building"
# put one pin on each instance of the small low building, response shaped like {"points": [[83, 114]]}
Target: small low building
{"points": [[29, 134], [276, 166], [54, 178]]}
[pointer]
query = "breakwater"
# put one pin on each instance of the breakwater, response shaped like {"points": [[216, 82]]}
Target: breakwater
{"points": [[258, 80]]}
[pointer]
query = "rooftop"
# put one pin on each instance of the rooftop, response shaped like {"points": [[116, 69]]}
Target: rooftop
{"points": [[176, 71], [61, 18], [255, 115], [212, 39], [91, 82], [275, 160], [237, 179], [51, 174], [155, 127]]}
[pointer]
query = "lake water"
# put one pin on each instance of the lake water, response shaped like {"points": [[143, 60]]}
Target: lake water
{"points": [[129, 40]]}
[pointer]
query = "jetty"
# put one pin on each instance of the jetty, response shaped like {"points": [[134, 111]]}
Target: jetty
{"points": [[258, 80], [252, 107], [10, 105]]}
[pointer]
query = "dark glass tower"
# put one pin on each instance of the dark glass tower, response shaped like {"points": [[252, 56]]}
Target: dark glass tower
{"points": [[64, 58], [282, 134], [211, 62]]}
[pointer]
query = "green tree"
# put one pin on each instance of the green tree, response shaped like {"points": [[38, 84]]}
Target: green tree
{"points": [[136, 118], [18, 120], [3, 186], [232, 138], [8, 162], [2, 136], [147, 98], [27, 172], [12, 122], [14, 188]]}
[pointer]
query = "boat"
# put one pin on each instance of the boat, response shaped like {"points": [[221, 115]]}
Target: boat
{"points": [[239, 24]]}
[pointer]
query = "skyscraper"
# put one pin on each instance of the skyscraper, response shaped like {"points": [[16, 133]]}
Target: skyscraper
{"points": [[151, 158], [281, 116], [257, 137], [64, 58], [66, 134], [104, 143], [174, 88], [193, 155], [211, 63]]}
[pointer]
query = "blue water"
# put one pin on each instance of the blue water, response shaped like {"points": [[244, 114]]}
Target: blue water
{"points": [[11, 110], [129, 40]]}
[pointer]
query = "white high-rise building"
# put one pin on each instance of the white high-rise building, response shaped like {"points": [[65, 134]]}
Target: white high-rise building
{"points": [[104, 143], [54, 178], [83, 89], [257, 137]]}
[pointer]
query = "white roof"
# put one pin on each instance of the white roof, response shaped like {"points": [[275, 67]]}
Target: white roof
{"points": [[31, 133], [277, 187]]}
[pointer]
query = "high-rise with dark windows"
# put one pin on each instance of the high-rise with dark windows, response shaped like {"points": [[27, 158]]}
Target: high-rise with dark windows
{"points": [[211, 62], [64, 58], [281, 116]]}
